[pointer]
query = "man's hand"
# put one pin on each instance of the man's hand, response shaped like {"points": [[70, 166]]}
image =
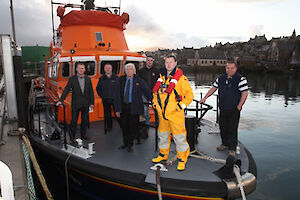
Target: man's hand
{"points": [[202, 100], [58, 103], [92, 106], [118, 114], [239, 107]]}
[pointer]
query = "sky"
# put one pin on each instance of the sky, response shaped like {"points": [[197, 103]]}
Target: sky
{"points": [[167, 23]]}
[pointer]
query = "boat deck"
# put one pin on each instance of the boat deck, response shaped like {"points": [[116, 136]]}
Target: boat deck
{"points": [[139, 161]]}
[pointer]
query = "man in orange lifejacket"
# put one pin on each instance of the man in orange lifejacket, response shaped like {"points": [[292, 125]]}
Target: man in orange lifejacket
{"points": [[172, 93]]}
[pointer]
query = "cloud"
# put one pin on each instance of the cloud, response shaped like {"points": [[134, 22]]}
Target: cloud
{"points": [[255, 30], [32, 22], [154, 36]]}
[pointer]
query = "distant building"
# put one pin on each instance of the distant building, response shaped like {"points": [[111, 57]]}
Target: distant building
{"points": [[280, 52], [258, 40], [295, 56], [34, 58], [247, 61], [211, 57]]}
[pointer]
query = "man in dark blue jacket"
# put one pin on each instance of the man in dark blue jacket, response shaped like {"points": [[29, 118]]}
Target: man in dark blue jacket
{"points": [[106, 89], [129, 103], [233, 92]]}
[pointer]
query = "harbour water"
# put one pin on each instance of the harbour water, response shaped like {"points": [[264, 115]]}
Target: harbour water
{"points": [[269, 127]]}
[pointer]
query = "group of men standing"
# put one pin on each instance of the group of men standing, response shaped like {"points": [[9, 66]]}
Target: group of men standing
{"points": [[171, 94]]}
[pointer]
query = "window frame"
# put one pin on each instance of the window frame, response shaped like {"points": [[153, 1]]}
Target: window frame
{"points": [[95, 70], [61, 71]]}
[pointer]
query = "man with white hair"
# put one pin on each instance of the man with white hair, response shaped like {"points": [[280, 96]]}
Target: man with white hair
{"points": [[129, 104]]}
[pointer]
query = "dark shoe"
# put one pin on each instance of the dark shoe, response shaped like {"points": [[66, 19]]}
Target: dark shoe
{"points": [[222, 147], [84, 137], [138, 141], [129, 149], [122, 147], [73, 143], [232, 153]]}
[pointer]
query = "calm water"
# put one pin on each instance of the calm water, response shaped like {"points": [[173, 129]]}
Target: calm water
{"points": [[270, 128]]}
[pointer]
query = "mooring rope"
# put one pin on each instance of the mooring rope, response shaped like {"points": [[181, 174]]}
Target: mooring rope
{"points": [[236, 168], [158, 183], [237, 174], [67, 173], [202, 156], [37, 168], [31, 188]]}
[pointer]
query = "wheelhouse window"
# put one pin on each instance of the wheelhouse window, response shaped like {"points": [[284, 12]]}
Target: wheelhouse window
{"points": [[99, 37], [114, 63], [52, 70], [65, 69], [90, 67]]}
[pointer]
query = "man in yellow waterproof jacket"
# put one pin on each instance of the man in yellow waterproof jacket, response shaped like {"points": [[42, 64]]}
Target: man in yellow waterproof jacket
{"points": [[172, 93]]}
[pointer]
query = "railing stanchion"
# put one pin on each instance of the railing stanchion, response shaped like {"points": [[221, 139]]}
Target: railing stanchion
{"points": [[201, 96]]}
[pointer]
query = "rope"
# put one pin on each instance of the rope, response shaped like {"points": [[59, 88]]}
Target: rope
{"points": [[237, 174], [37, 168], [158, 183], [31, 188], [67, 174], [201, 155], [236, 168]]}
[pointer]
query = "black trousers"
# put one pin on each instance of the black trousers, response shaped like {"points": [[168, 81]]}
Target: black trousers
{"points": [[129, 125], [229, 121], [84, 120], [107, 116]]}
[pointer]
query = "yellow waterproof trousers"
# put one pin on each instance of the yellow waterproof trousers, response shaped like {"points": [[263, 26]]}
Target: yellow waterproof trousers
{"points": [[175, 125]]}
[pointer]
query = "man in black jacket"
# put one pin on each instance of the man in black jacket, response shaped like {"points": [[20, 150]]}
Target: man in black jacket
{"points": [[106, 89], [129, 103], [82, 100], [150, 75]]}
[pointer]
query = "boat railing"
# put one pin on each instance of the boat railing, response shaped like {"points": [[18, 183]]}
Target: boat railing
{"points": [[203, 108], [48, 107], [216, 109], [2, 109]]}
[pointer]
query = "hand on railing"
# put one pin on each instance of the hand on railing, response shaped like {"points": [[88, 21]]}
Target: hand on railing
{"points": [[59, 103], [202, 100], [203, 103]]}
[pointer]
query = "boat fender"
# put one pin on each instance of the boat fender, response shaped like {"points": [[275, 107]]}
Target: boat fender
{"points": [[226, 172], [79, 141], [125, 17], [60, 11]]}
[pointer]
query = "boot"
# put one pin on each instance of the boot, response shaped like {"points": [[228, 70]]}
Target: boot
{"points": [[162, 156], [181, 165]]}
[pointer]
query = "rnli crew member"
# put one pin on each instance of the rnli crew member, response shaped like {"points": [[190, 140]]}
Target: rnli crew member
{"points": [[82, 100], [106, 89], [233, 92], [149, 74], [129, 103], [172, 93]]}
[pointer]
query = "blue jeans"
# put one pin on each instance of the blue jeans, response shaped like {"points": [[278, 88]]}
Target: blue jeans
{"points": [[146, 111]]}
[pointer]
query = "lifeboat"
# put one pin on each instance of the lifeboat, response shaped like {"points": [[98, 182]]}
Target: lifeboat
{"points": [[96, 169]]}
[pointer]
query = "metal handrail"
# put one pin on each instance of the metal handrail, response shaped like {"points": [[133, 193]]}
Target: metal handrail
{"points": [[202, 110], [39, 104]]}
